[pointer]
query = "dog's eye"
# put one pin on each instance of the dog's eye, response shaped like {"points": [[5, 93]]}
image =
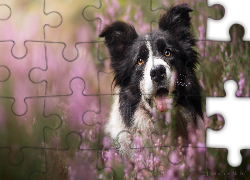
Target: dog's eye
{"points": [[167, 52], [140, 61]]}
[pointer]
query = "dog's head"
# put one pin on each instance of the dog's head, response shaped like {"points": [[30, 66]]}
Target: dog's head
{"points": [[152, 66]]}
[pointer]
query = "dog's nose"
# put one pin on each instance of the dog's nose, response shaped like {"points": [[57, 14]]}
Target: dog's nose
{"points": [[158, 73]]}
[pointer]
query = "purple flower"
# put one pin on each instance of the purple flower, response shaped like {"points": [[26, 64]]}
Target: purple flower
{"points": [[202, 84], [220, 119], [202, 35], [211, 163], [241, 85]]}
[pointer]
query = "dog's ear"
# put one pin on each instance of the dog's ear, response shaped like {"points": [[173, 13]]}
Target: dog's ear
{"points": [[176, 20], [118, 36]]}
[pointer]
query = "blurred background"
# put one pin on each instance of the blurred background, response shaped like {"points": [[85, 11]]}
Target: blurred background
{"points": [[56, 91]]}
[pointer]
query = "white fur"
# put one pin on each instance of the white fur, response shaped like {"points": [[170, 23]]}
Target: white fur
{"points": [[148, 86], [115, 124]]}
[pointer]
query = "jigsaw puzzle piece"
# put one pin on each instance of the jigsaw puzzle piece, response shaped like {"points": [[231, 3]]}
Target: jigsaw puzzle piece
{"points": [[22, 22], [33, 160], [79, 113], [181, 122], [213, 68], [90, 135], [111, 11], [180, 170], [199, 17], [174, 165], [199, 14], [224, 60], [73, 162], [15, 81], [15, 130], [228, 20], [215, 122], [58, 83], [111, 165], [217, 166], [147, 161], [193, 161], [73, 28], [134, 163], [175, 135]]}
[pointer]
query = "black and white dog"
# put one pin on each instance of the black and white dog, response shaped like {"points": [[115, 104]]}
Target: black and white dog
{"points": [[149, 69]]}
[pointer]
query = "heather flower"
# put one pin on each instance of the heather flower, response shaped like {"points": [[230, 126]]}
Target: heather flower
{"points": [[202, 147], [211, 163], [220, 127], [182, 166], [126, 16], [174, 157], [222, 48], [241, 85], [165, 3], [168, 118], [202, 84], [202, 36], [106, 142], [100, 176], [169, 102], [69, 171], [220, 119]]}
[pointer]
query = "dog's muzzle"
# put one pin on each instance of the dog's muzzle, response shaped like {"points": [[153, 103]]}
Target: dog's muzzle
{"points": [[158, 73]]}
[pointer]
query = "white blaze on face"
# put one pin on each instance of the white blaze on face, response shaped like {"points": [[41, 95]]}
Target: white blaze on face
{"points": [[148, 86]]}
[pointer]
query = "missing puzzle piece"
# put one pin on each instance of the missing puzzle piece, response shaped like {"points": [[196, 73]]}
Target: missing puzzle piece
{"points": [[219, 30], [227, 106]]}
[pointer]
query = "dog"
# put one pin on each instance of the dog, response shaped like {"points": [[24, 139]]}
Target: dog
{"points": [[148, 70]]}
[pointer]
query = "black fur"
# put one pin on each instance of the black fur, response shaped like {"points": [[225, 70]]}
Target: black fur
{"points": [[125, 47]]}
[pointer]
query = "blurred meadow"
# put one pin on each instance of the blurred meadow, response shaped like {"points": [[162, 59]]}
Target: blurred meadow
{"points": [[56, 92]]}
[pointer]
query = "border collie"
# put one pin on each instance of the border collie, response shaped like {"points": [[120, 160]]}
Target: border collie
{"points": [[150, 69]]}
